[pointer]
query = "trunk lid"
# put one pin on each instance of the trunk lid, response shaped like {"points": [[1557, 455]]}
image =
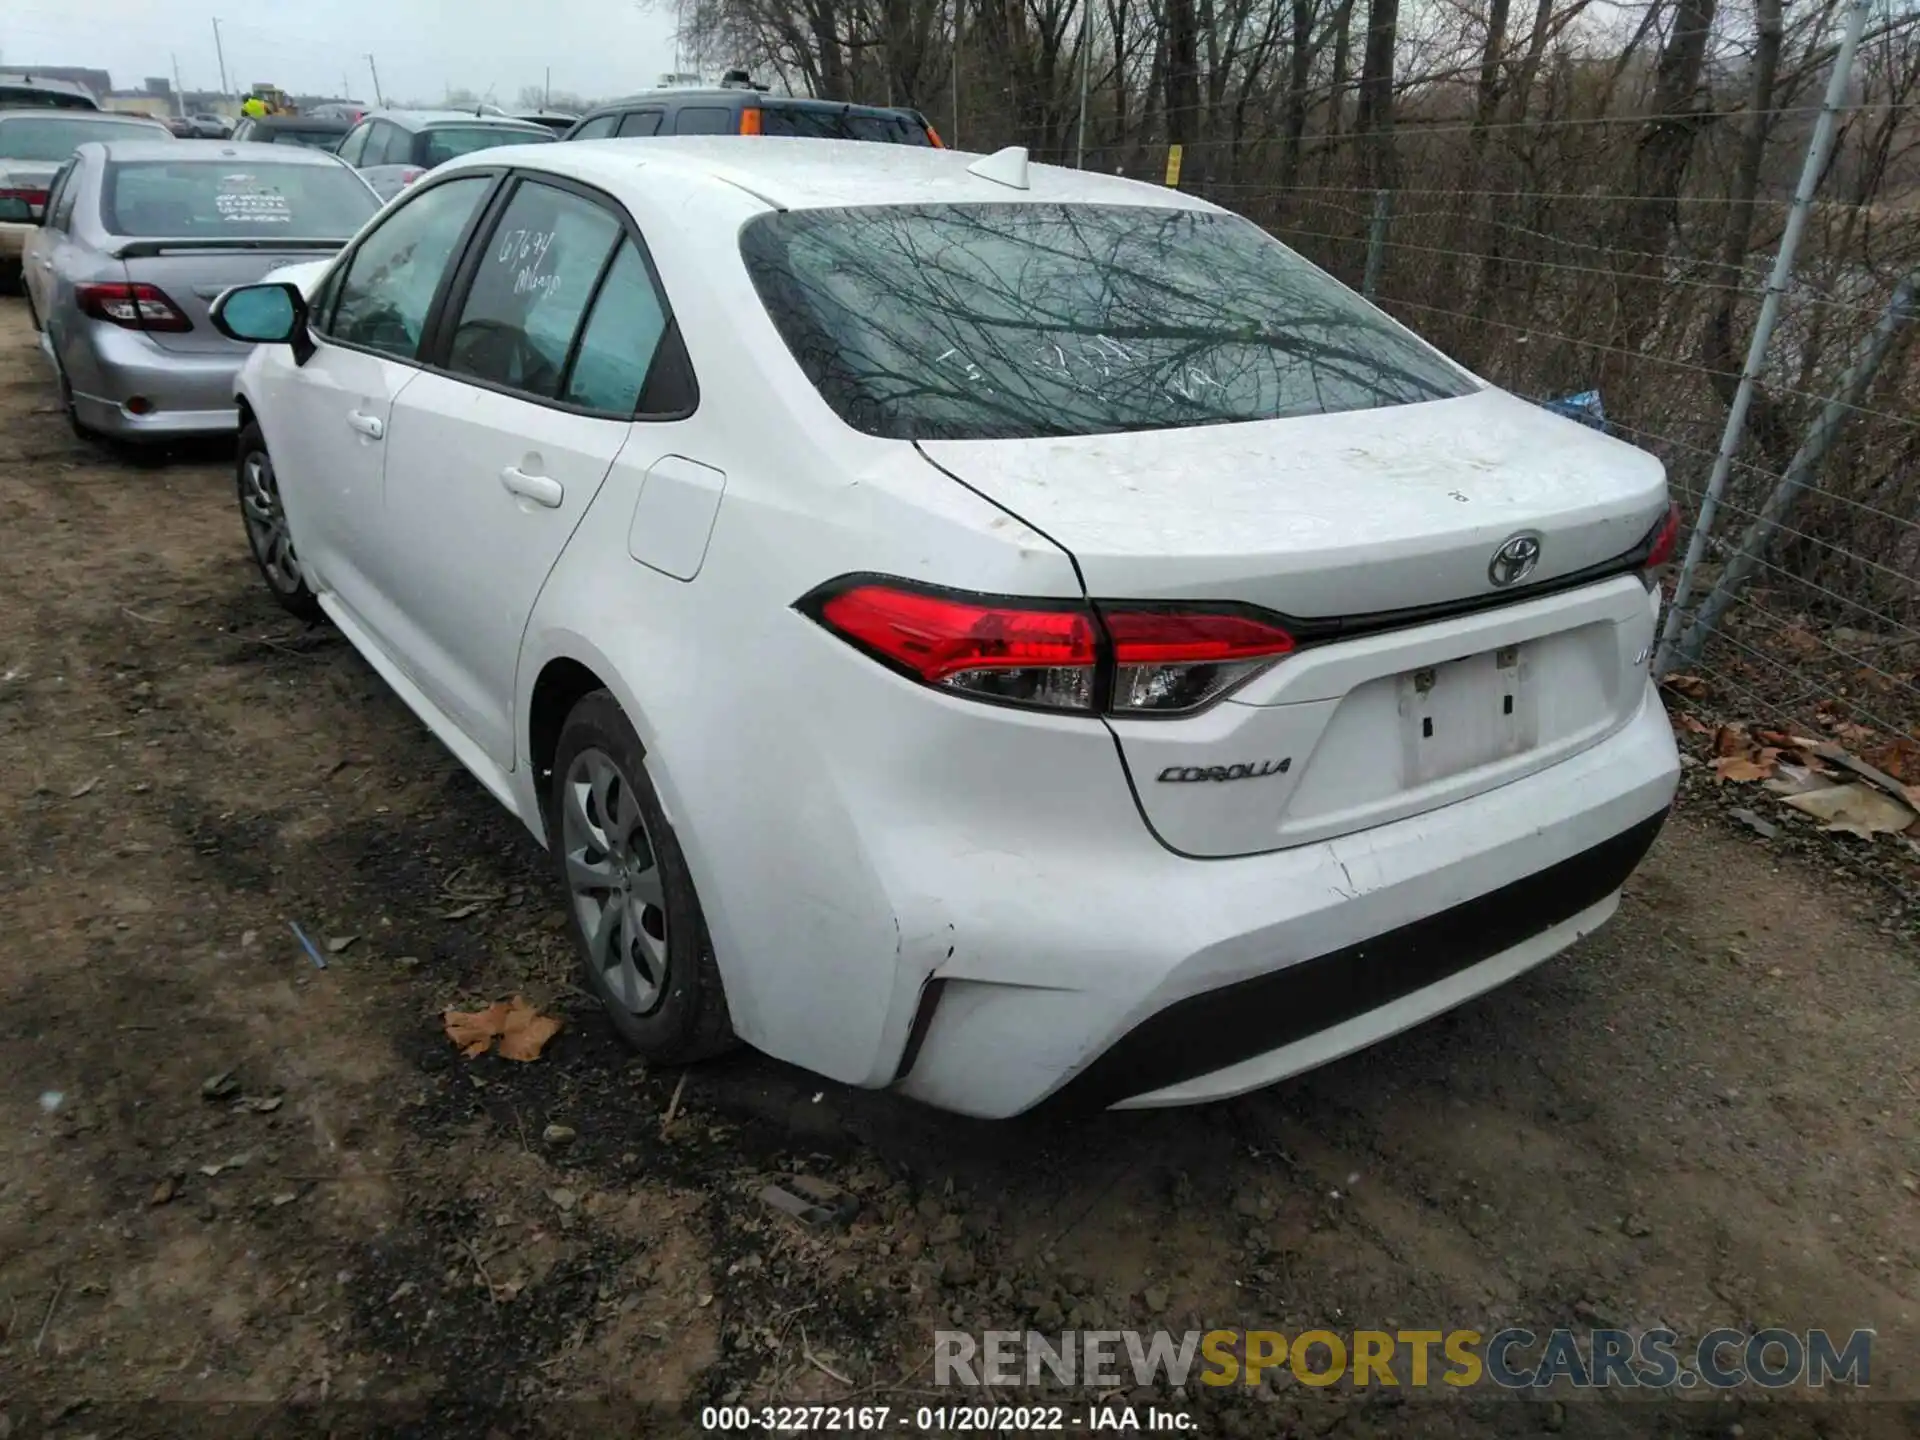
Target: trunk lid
{"points": [[1376, 532], [193, 273]]}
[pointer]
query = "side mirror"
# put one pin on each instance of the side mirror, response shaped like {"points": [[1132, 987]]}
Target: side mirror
{"points": [[270, 314]]}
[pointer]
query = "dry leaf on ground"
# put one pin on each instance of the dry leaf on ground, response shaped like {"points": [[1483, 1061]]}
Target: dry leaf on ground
{"points": [[1731, 740], [1690, 724], [1854, 810], [522, 1031], [1691, 686], [1756, 765]]}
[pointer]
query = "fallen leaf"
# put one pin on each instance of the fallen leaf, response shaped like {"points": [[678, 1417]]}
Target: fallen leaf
{"points": [[1690, 724], [1691, 686], [257, 1104], [1856, 734], [521, 1030], [1730, 740], [1900, 759], [83, 788], [461, 912], [1854, 810], [1790, 779], [339, 943], [1758, 765], [164, 1191]]}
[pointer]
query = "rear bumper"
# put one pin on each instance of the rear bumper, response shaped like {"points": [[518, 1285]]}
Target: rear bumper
{"points": [[189, 394], [1169, 981]]}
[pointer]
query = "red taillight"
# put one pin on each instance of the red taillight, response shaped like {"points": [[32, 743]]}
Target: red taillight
{"points": [[134, 307], [1161, 660], [25, 197], [1660, 548]]}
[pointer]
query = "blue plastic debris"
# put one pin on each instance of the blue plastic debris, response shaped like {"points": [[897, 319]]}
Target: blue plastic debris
{"points": [[1585, 408], [306, 944]]}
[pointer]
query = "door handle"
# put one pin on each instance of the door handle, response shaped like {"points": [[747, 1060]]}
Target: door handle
{"points": [[367, 425], [541, 489]]}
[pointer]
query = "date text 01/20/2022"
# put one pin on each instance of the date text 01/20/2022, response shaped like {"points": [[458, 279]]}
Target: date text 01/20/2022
{"points": [[938, 1419]]}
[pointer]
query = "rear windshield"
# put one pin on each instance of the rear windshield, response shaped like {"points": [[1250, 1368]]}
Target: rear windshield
{"points": [[850, 123], [1000, 321], [312, 139], [54, 139], [187, 199], [449, 142]]}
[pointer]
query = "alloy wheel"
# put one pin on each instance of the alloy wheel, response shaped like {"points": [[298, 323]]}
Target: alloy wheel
{"points": [[613, 875], [267, 523]]}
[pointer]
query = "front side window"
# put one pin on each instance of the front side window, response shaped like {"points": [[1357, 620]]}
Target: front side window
{"points": [[598, 128], [1017, 320], [51, 138], [212, 198], [620, 338], [704, 120], [640, 122], [389, 283], [450, 142], [535, 277]]}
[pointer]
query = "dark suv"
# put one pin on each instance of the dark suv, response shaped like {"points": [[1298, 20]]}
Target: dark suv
{"points": [[738, 109]]}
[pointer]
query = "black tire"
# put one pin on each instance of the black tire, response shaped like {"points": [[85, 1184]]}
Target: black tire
{"points": [[79, 427], [11, 282], [684, 1017], [265, 522]]}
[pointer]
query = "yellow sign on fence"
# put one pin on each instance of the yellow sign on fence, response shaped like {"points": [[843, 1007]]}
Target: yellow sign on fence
{"points": [[1173, 164]]}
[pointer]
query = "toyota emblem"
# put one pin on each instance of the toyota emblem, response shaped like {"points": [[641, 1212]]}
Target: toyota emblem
{"points": [[1515, 560]]}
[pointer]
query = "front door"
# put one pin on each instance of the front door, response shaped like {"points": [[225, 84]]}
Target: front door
{"points": [[368, 340]]}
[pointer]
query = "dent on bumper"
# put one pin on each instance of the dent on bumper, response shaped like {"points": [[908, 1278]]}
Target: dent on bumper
{"points": [[1219, 976]]}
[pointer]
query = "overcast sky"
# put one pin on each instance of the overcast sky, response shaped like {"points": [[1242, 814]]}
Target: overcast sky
{"points": [[597, 48]]}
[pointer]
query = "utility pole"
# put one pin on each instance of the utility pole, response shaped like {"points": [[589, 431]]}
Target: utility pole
{"points": [[179, 90], [546, 91], [221, 54], [374, 70], [1086, 59]]}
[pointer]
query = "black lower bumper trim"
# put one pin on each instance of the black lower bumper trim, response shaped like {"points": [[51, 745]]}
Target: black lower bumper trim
{"points": [[1217, 1028]]}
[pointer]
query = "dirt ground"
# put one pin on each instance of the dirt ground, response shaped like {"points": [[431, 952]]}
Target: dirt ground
{"points": [[1708, 1114]]}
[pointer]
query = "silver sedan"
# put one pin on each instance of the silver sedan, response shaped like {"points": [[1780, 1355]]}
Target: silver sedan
{"points": [[137, 240]]}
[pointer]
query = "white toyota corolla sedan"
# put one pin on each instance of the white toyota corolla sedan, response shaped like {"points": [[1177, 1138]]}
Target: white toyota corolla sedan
{"points": [[988, 630]]}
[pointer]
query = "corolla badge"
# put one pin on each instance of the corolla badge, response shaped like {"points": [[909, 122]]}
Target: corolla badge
{"points": [[1247, 770], [1515, 560]]}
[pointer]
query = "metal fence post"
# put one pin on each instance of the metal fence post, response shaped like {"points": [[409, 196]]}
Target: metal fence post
{"points": [[1377, 242], [1818, 149]]}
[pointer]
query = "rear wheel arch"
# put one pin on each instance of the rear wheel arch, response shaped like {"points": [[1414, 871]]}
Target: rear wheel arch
{"points": [[247, 416], [562, 684]]}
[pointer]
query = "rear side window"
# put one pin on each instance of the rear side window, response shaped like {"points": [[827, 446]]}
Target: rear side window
{"points": [[705, 120], [391, 145], [353, 149], [450, 142], [192, 198], [312, 139], [32, 97], [621, 336], [598, 128], [641, 122], [390, 281], [847, 123], [1015, 320], [535, 278]]}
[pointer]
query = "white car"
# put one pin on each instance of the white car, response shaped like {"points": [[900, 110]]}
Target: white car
{"points": [[992, 631]]}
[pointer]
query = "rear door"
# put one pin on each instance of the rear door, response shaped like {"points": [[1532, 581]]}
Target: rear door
{"points": [[326, 421], [37, 259], [496, 453]]}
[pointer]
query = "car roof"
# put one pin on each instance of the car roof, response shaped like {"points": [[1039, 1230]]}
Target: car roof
{"points": [[791, 174], [39, 112], [427, 119], [217, 152], [27, 80], [731, 94]]}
